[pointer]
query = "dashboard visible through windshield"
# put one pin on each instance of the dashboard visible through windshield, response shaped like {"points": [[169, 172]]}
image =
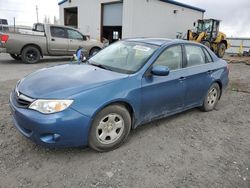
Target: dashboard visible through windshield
{"points": [[124, 56]]}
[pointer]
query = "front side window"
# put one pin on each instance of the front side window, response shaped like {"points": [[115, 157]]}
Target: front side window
{"points": [[72, 34], [171, 58], [195, 55], [124, 56], [58, 32]]}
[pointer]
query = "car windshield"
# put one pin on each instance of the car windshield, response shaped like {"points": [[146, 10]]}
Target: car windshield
{"points": [[205, 26], [124, 56]]}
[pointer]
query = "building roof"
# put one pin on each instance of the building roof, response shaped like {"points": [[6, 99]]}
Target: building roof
{"points": [[183, 5], [61, 2], [166, 1]]}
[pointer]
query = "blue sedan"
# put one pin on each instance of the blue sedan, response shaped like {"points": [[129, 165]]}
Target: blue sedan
{"points": [[127, 84]]}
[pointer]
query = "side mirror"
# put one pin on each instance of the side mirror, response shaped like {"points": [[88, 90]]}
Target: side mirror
{"points": [[160, 70]]}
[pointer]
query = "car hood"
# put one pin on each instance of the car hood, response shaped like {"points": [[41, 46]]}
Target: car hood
{"points": [[65, 80]]}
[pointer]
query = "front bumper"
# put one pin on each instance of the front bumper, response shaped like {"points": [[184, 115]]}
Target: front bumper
{"points": [[68, 128]]}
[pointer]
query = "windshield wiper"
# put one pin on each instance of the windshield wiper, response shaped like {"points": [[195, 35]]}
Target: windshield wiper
{"points": [[100, 66]]}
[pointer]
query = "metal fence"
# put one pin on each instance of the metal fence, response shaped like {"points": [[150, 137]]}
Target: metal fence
{"points": [[239, 45]]}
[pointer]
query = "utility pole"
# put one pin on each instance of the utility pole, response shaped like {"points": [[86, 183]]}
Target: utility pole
{"points": [[36, 13], [14, 24]]}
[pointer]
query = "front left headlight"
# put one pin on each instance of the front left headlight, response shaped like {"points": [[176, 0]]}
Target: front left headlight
{"points": [[50, 106]]}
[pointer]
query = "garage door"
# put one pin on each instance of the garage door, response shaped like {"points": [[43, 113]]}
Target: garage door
{"points": [[112, 14]]}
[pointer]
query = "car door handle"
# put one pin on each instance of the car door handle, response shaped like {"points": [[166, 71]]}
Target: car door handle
{"points": [[53, 39], [182, 78]]}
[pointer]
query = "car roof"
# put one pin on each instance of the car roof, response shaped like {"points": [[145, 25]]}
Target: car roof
{"points": [[158, 41]]}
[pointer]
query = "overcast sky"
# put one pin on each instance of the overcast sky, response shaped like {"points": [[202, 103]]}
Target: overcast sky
{"points": [[235, 15]]}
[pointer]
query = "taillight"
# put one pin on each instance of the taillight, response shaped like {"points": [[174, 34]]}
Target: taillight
{"points": [[4, 38]]}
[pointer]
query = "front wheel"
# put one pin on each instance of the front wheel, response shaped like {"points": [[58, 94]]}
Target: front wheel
{"points": [[110, 128], [211, 98], [94, 51]]}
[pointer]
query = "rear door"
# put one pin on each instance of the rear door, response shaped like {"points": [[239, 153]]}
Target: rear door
{"points": [[58, 42], [198, 74]]}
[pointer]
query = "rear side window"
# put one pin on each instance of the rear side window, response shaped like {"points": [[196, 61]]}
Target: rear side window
{"points": [[58, 32], [208, 56], [195, 55], [171, 58]]}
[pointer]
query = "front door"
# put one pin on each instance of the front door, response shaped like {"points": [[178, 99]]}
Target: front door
{"points": [[162, 95], [76, 40]]}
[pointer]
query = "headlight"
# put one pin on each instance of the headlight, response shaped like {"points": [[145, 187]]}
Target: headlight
{"points": [[50, 106]]}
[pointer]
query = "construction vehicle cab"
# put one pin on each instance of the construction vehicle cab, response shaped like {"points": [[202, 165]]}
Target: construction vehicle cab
{"points": [[207, 33]]}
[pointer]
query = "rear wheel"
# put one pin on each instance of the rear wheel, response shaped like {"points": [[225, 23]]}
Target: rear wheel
{"points": [[221, 50], [15, 56], [110, 128], [211, 98], [30, 54]]}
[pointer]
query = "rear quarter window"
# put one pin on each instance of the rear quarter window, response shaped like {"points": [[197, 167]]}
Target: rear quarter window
{"points": [[208, 56]]}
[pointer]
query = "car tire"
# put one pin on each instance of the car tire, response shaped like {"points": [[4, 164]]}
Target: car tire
{"points": [[110, 128], [212, 98], [16, 57], [94, 51], [30, 55]]}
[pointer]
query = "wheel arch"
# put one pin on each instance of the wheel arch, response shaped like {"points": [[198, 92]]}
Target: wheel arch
{"points": [[225, 42], [220, 85], [123, 103], [95, 47]]}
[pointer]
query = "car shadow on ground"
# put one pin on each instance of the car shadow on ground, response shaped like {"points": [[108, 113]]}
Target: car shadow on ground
{"points": [[45, 60], [142, 129]]}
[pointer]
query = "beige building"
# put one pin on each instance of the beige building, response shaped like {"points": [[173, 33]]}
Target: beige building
{"points": [[112, 19]]}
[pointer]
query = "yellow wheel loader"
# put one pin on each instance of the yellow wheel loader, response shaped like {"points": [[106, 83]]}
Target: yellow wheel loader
{"points": [[208, 34]]}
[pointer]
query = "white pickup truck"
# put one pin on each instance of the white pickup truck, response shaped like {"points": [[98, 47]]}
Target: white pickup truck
{"points": [[46, 40]]}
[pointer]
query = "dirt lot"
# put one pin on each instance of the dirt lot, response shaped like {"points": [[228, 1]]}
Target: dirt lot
{"points": [[192, 149]]}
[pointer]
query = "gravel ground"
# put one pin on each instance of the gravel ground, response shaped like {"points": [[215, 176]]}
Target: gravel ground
{"points": [[191, 149]]}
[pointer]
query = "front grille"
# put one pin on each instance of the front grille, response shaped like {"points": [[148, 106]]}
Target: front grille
{"points": [[21, 100]]}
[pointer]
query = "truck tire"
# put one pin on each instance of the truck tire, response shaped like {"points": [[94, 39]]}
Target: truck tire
{"points": [[16, 57], [94, 51], [221, 49], [30, 54], [206, 43]]}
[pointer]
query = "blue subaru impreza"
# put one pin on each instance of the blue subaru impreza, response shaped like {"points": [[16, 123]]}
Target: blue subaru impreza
{"points": [[129, 83]]}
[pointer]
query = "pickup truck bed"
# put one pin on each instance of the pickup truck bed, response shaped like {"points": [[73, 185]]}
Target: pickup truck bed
{"points": [[52, 41]]}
